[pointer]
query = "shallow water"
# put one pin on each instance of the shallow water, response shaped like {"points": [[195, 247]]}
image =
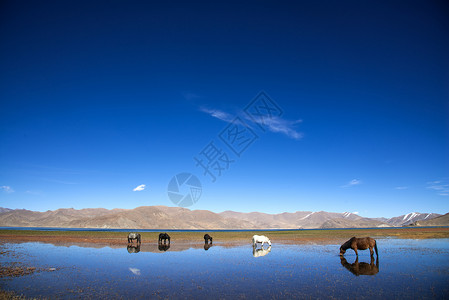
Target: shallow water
{"points": [[405, 269]]}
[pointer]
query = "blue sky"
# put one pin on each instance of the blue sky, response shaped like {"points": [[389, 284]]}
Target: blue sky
{"points": [[99, 98]]}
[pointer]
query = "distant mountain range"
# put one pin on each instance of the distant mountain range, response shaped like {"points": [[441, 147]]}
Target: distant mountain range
{"points": [[438, 221], [163, 217]]}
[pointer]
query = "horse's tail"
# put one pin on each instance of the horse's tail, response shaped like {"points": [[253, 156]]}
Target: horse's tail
{"points": [[375, 248]]}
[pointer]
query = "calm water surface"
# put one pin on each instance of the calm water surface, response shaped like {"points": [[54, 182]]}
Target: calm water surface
{"points": [[405, 269]]}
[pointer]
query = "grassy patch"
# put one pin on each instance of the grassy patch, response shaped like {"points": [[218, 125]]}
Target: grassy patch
{"points": [[293, 235]]}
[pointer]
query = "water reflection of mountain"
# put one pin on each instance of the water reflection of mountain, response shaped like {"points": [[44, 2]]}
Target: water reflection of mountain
{"points": [[133, 248], [361, 268]]}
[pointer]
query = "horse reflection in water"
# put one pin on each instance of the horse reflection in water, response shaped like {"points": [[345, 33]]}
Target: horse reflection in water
{"points": [[163, 247], [133, 249], [261, 252], [362, 268], [207, 246]]}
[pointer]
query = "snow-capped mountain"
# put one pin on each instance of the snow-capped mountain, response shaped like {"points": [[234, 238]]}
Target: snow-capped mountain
{"points": [[411, 218]]}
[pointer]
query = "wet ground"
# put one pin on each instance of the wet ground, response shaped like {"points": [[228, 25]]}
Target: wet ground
{"points": [[405, 269]]}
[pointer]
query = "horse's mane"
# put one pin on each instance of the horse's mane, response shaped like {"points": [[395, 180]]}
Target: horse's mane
{"points": [[347, 244]]}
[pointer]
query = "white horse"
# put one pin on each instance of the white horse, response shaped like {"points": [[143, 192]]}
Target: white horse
{"points": [[260, 239], [261, 252]]}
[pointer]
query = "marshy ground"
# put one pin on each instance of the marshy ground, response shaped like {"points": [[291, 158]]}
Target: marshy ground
{"points": [[287, 236]]}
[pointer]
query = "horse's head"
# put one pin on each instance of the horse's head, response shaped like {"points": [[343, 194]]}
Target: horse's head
{"points": [[345, 246]]}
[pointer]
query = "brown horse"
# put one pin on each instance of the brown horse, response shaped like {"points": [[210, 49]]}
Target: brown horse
{"points": [[207, 238], [360, 244]]}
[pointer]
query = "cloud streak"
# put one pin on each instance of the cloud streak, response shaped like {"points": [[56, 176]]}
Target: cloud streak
{"points": [[139, 188], [279, 125], [352, 183], [439, 186], [274, 124], [6, 189], [221, 115]]}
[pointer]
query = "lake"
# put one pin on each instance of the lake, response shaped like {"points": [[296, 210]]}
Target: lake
{"points": [[405, 269]]}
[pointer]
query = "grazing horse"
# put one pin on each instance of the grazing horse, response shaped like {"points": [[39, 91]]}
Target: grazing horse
{"points": [[260, 239], [207, 238], [360, 244], [133, 249], [362, 268], [165, 237], [134, 236], [261, 252]]}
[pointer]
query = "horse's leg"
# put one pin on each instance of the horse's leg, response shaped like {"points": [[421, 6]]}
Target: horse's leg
{"points": [[356, 253], [371, 251]]}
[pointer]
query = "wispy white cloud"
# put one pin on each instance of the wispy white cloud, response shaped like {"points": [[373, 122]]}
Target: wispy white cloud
{"points": [[287, 127], [401, 188], [439, 186], [274, 124], [221, 115], [135, 271], [6, 189], [352, 183], [139, 188]]}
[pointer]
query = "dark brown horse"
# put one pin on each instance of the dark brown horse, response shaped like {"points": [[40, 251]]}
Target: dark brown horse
{"points": [[165, 237], [362, 268], [207, 238], [360, 244]]}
